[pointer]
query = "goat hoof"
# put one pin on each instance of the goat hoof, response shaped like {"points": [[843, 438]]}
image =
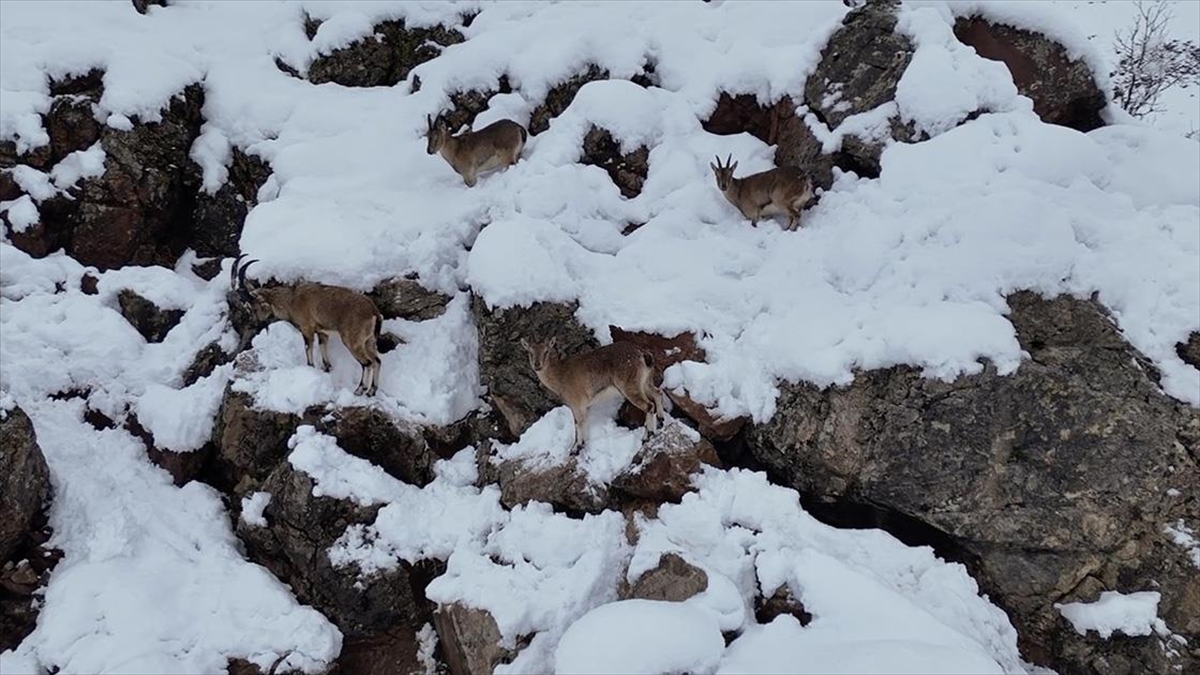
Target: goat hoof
{"points": [[326, 368]]}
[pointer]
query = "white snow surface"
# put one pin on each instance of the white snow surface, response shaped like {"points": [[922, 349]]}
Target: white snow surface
{"points": [[1114, 612], [655, 637], [910, 268]]}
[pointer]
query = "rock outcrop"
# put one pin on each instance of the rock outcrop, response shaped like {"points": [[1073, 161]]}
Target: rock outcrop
{"points": [[250, 442], [859, 70], [513, 388], [398, 448], [384, 58], [1063, 91], [294, 545], [662, 470], [470, 639], [1053, 483], [627, 170], [24, 481], [147, 206], [673, 579], [403, 298], [219, 217], [151, 321]]}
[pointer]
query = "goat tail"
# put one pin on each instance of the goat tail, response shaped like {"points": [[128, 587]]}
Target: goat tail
{"points": [[648, 359]]}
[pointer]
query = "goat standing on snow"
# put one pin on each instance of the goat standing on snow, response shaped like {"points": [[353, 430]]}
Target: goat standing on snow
{"points": [[581, 379], [318, 310], [775, 192], [496, 146]]}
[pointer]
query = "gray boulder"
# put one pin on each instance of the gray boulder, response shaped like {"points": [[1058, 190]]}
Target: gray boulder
{"points": [[1052, 484]]}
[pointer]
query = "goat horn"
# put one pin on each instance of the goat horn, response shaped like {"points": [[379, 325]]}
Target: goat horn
{"points": [[233, 269], [245, 294], [729, 161]]}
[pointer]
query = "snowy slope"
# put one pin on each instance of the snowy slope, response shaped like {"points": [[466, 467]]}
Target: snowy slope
{"points": [[910, 268]]}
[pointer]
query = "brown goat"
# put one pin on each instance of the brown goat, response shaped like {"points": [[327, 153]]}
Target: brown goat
{"points": [[318, 310], [496, 146], [580, 380], [775, 192]]}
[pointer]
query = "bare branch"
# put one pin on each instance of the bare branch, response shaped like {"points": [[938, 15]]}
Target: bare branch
{"points": [[1149, 62]]}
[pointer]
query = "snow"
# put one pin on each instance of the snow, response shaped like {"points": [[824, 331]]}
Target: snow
{"points": [[537, 574], [22, 213], [181, 420], [253, 507], [886, 604], [1133, 614], [336, 473], [1185, 537], [654, 637], [147, 568], [911, 268], [432, 378], [426, 644], [415, 523], [550, 440]]}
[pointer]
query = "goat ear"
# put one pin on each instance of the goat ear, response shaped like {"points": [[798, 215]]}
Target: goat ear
{"points": [[732, 167], [525, 344], [552, 343], [713, 167]]}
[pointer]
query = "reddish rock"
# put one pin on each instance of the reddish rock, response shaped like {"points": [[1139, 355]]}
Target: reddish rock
{"points": [[393, 652], [667, 351], [470, 640], [673, 579], [662, 470], [1063, 90]]}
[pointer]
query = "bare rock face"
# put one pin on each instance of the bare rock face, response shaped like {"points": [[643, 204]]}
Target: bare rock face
{"points": [[24, 481], [466, 105], [294, 546], [1063, 91], [393, 652], [219, 217], [250, 442], [397, 448], [662, 470], [564, 486], [384, 58], [513, 388], [627, 170], [861, 64], [560, 97], [71, 125], [205, 362], [673, 579], [147, 206], [1190, 351], [23, 579], [470, 639], [139, 210], [781, 602], [402, 298], [152, 322], [1053, 484]]}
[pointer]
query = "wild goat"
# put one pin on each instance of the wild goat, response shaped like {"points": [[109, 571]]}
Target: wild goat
{"points": [[318, 310], [580, 380], [471, 153], [775, 192]]}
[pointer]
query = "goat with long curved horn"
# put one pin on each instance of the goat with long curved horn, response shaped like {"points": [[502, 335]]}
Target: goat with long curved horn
{"points": [[317, 311]]}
